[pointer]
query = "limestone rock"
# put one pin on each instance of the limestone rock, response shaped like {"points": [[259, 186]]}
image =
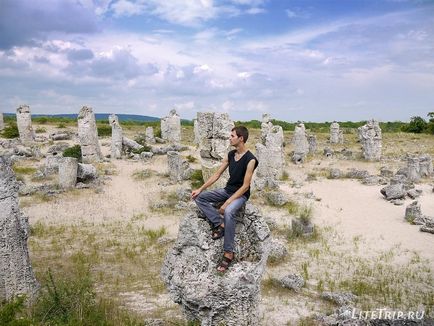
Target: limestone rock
{"points": [[300, 227], [149, 135], [117, 137], [311, 139], [68, 167], [88, 136], [340, 298], [371, 139], [60, 135], [171, 128], [395, 191], [146, 156], [425, 166], [164, 150], [301, 144], [293, 282], [131, 144], [16, 273], [2, 123], [328, 152], [335, 173], [336, 135], [413, 169], [413, 212], [86, 172], [371, 180], [278, 251], [276, 198], [357, 174], [24, 124], [189, 271], [178, 167]]}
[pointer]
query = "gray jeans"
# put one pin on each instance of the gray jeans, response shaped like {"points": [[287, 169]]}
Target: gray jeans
{"points": [[204, 202]]}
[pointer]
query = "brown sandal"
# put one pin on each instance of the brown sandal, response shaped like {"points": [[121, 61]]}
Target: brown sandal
{"points": [[218, 232], [224, 264]]}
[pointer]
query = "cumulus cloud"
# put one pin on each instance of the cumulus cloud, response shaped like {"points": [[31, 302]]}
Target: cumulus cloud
{"points": [[80, 54], [25, 22]]}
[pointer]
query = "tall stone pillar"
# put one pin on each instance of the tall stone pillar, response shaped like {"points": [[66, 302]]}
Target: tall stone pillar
{"points": [[171, 128], [336, 135], [68, 172], [149, 135], [117, 134], [2, 123], [214, 131], [16, 273], [301, 144], [371, 139], [88, 136], [24, 123]]}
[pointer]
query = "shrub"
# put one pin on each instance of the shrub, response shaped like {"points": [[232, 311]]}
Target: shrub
{"points": [[74, 151], [145, 148], [11, 131], [416, 125], [40, 130], [104, 131], [61, 126], [191, 159], [196, 179]]}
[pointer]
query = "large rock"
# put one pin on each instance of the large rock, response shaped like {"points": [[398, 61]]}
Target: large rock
{"points": [[301, 144], [425, 166], [149, 135], [270, 155], [413, 169], [88, 136], [24, 124], [214, 134], [189, 271], [16, 274], [60, 135], [395, 191], [336, 135], [131, 144], [413, 212], [117, 137], [171, 127], [371, 139], [178, 167], [68, 167], [86, 172]]}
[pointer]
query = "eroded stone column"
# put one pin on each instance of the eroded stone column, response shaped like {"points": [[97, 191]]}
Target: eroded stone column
{"points": [[425, 166], [270, 155], [336, 135], [88, 136], [2, 123], [149, 135], [117, 134], [413, 169], [214, 133], [24, 123], [371, 139], [68, 172], [179, 169], [301, 144], [171, 127], [16, 273]]}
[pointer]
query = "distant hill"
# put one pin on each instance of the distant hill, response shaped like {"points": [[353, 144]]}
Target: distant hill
{"points": [[99, 116]]}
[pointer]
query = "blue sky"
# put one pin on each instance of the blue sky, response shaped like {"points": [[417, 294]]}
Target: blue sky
{"points": [[297, 60]]}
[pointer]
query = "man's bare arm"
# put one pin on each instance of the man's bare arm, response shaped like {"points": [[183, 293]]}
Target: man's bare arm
{"points": [[212, 179]]}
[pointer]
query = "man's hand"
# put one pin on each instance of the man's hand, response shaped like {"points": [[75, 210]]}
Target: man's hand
{"points": [[223, 207], [195, 193]]}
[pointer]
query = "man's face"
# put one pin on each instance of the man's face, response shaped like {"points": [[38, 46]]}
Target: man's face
{"points": [[235, 140]]}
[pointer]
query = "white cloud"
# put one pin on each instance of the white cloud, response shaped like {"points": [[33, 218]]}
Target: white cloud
{"points": [[127, 8], [290, 13]]}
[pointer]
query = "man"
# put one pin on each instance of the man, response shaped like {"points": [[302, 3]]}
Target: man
{"points": [[242, 163]]}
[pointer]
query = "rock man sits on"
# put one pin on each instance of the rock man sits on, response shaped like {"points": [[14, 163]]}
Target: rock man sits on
{"points": [[242, 163]]}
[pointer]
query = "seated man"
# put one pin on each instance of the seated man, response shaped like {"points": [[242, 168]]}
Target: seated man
{"points": [[242, 163]]}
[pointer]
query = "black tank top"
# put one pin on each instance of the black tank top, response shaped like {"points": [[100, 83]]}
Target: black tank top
{"points": [[237, 171]]}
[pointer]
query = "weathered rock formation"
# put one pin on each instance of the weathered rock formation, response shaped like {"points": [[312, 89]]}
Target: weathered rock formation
{"points": [[171, 127], [2, 123], [68, 172], [24, 124], [270, 155], [149, 135], [178, 167], [311, 139], [88, 136], [117, 134], [371, 139], [16, 274], [301, 144], [336, 135], [189, 271], [214, 133]]}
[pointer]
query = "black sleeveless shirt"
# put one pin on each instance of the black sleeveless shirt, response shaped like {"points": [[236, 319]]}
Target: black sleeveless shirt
{"points": [[237, 171]]}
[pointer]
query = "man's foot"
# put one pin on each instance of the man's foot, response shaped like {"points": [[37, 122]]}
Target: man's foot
{"points": [[227, 260], [218, 232]]}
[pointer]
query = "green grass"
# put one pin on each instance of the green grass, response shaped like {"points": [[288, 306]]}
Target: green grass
{"points": [[196, 179], [40, 130], [74, 151], [24, 170], [191, 159], [11, 131], [142, 174]]}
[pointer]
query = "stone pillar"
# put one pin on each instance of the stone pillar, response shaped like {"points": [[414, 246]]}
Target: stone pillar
{"points": [[16, 273], [370, 137], [117, 134], [171, 128], [178, 168], [301, 144], [68, 172], [214, 134], [270, 155], [2, 123], [88, 136], [413, 169], [336, 135], [149, 135], [311, 139], [425, 166], [24, 123], [196, 132]]}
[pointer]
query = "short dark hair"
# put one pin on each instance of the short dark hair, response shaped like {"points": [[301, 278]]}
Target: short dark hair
{"points": [[241, 131]]}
